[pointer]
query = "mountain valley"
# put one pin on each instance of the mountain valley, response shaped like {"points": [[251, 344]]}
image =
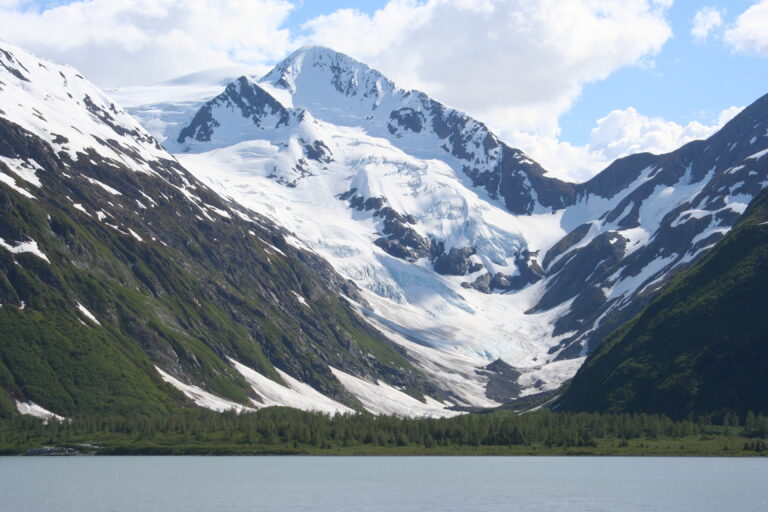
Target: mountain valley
{"points": [[321, 239]]}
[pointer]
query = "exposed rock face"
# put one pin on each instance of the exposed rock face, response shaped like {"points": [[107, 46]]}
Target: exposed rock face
{"points": [[528, 272], [592, 262], [317, 151], [482, 283], [566, 243], [525, 187], [502, 381], [401, 240], [455, 262], [407, 119]]}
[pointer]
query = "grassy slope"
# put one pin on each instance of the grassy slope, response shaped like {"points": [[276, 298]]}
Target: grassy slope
{"points": [[700, 347]]}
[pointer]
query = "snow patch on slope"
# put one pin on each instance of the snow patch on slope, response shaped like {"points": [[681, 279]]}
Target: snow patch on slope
{"points": [[29, 246], [381, 398], [8, 180], [23, 169], [549, 377], [295, 394], [32, 409], [201, 397], [90, 316], [104, 186]]}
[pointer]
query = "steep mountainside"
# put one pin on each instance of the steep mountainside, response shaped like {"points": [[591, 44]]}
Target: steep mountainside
{"points": [[647, 216], [496, 278], [121, 273], [700, 346]]}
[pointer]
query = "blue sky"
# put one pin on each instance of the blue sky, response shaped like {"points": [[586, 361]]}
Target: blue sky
{"points": [[309, 9], [689, 82], [575, 83]]}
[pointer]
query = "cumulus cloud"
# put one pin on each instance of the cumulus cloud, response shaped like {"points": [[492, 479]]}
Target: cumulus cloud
{"points": [[623, 132], [705, 21], [618, 134], [143, 41], [516, 64], [750, 33]]}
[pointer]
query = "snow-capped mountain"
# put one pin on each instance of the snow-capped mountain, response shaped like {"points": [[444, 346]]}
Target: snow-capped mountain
{"points": [[462, 274], [338, 90], [161, 107], [409, 228], [127, 286], [466, 250]]}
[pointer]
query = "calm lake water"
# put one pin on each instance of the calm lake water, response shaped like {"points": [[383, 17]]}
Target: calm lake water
{"points": [[234, 484]]}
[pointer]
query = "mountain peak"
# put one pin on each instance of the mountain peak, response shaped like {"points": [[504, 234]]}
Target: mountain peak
{"points": [[314, 66], [242, 107], [316, 54], [314, 50], [341, 91]]}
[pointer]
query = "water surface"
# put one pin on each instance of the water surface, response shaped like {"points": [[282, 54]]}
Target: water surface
{"points": [[403, 484]]}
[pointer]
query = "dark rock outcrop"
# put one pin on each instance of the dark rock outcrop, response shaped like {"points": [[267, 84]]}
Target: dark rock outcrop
{"points": [[456, 262]]}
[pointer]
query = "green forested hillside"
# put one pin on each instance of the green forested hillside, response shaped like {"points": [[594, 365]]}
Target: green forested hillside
{"points": [[700, 346], [133, 270]]}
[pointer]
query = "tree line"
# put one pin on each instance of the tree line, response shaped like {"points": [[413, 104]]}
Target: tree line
{"points": [[292, 428]]}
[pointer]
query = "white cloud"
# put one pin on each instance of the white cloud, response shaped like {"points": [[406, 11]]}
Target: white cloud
{"points": [[728, 114], [115, 42], [515, 64], [618, 134], [705, 21], [750, 32], [623, 132]]}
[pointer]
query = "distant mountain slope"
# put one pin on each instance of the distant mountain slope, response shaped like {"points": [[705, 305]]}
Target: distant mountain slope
{"points": [[121, 273], [700, 346]]}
